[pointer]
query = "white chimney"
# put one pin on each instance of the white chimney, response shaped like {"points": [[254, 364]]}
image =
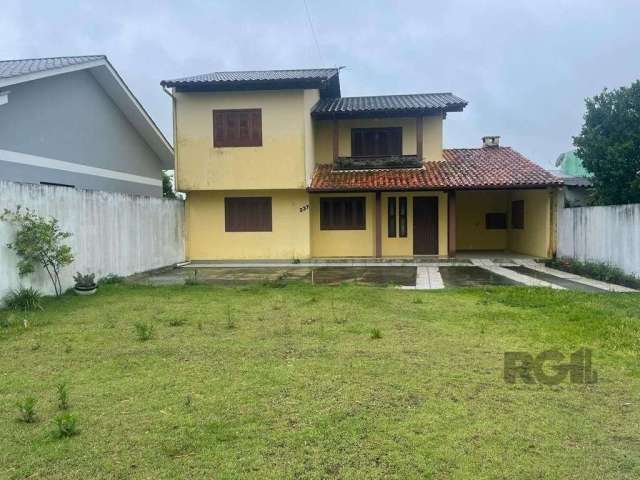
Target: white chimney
{"points": [[491, 141]]}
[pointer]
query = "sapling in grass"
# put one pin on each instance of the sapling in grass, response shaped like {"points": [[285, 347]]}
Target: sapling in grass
{"points": [[65, 425], [27, 409], [63, 396]]}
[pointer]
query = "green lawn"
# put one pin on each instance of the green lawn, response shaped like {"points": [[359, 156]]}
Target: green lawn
{"points": [[265, 382]]}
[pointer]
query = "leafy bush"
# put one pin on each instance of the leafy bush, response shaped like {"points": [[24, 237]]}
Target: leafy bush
{"points": [[39, 241], [376, 333], [24, 299], [85, 281], [596, 270], [27, 409], [63, 396], [66, 425], [144, 331], [111, 279]]}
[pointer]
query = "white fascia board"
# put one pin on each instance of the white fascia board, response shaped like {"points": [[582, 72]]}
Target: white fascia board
{"points": [[45, 162]]}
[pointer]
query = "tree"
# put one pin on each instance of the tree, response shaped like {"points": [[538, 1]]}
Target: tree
{"points": [[167, 186], [39, 241], [609, 144]]}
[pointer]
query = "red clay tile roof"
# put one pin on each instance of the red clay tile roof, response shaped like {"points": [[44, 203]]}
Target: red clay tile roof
{"points": [[461, 168]]}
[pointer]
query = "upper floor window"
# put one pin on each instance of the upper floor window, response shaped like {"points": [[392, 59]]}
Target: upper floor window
{"points": [[372, 142], [237, 128]]}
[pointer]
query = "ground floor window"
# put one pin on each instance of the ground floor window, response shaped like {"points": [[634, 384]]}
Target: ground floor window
{"points": [[397, 217], [342, 213], [517, 214], [247, 214], [495, 221]]}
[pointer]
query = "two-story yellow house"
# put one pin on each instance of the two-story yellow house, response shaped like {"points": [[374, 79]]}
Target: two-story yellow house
{"points": [[278, 165]]}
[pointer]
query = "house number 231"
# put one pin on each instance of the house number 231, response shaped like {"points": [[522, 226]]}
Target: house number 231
{"points": [[304, 208]]}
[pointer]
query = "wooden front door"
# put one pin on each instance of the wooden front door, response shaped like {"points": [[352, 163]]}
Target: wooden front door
{"points": [[425, 225]]}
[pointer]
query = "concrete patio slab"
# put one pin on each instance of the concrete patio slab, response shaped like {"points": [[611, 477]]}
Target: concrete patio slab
{"points": [[513, 275]]}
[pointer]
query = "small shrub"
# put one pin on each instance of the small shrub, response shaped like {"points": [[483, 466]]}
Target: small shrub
{"points": [[24, 299], [85, 281], [66, 425], [144, 331], [111, 279], [417, 301], [376, 334], [63, 396], [27, 409]]}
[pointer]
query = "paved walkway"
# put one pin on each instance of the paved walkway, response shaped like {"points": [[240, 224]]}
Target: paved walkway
{"points": [[429, 273], [611, 287], [515, 276]]}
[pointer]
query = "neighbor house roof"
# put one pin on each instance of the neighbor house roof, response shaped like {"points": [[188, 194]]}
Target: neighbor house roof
{"points": [[460, 168], [413, 104], [24, 70], [321, 78], [15, 68]]}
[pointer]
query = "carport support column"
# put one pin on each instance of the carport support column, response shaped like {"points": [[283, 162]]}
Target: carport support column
{"points": [[378, 224], [451, 223]]}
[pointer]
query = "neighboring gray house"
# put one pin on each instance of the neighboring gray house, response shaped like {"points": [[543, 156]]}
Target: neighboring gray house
{"points": [[72, 121]]}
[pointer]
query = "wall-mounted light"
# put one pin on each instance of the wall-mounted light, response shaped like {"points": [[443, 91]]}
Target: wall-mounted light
{"points": [[4, 97]]}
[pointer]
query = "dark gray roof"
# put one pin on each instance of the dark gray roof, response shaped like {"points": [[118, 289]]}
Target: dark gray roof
{"points": [[388, 104], [15, 68], [254, 76]]}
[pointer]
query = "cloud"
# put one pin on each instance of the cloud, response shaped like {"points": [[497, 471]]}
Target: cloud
{"points": [[524, 66]]}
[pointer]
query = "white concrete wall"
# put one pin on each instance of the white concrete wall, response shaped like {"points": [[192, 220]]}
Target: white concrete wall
{"points": [[112, 232], [608, 234]]}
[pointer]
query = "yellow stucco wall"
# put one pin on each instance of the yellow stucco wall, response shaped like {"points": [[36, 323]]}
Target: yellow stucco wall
{"points": [[207, 239], [431, 129], [361, 243], [471, 209], [278, 163], [535, 238]]}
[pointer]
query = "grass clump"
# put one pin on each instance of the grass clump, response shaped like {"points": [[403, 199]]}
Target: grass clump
{"points": [[596, 270], [66, 425], [24, 299], [27, 409], [144, 331], [376, 334], [111, 279]]}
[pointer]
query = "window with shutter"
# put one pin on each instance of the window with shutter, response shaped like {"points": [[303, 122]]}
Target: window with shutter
{"points": [[247, 214], [237, 128], [391, 217], [342, 213], [495, 221], [376, 142], [517, 214], [403, 216]]}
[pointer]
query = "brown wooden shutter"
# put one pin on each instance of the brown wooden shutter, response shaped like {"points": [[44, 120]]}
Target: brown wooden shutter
{"points": [[247, 214], [237, 128]]}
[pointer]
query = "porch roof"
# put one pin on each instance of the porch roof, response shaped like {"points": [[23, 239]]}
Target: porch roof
{"points": [[461, 168], [388, 105]]}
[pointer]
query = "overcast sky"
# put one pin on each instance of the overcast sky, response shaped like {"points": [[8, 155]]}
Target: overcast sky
{"points": [[524, 66]]}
